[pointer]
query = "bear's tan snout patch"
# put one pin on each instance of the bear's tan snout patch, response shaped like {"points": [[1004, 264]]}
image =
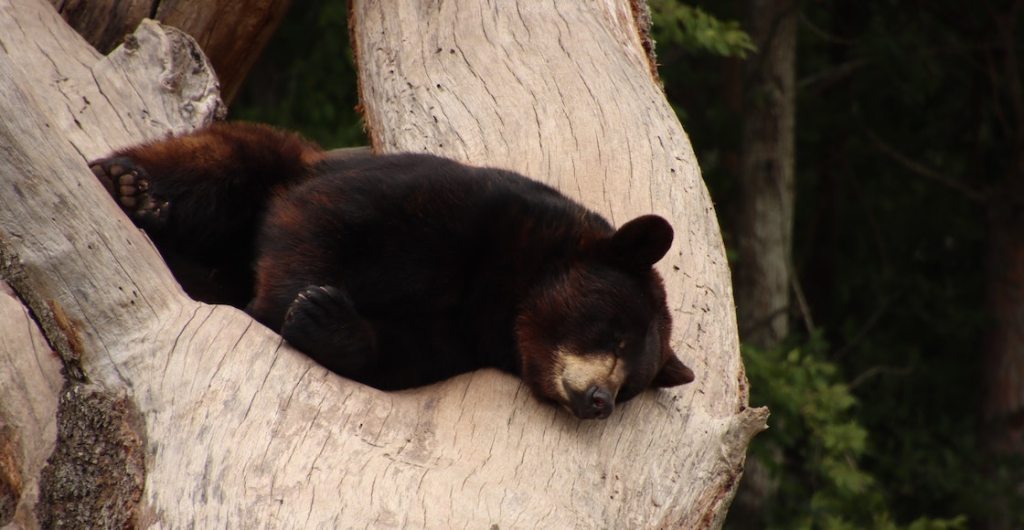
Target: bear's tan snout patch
{"points": [[577, 372]]}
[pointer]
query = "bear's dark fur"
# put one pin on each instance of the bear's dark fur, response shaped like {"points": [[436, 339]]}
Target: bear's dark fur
{"points": [[401, 270]]}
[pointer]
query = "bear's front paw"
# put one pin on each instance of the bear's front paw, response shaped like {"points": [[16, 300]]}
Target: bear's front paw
{"points": [[319, 306], [129, 186], [323, 322]]}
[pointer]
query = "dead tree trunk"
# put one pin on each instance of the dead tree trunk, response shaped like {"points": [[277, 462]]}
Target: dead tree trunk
{"points": [[232, 33], [185, 414]]}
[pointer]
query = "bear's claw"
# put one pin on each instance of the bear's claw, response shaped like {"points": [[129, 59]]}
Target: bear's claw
{"points": [[323, 322], [129, 186]]}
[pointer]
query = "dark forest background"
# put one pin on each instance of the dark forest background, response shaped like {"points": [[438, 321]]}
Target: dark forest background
{"points": [[867, 164]]}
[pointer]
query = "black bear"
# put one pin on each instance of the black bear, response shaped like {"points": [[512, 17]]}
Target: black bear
{"points": [[401, 270]]}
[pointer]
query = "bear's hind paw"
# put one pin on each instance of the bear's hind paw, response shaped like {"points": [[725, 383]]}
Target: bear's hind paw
{"points": [[129, 185]]}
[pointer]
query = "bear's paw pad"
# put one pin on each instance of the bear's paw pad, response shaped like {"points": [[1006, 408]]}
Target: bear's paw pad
{"points": [[129, 186]]}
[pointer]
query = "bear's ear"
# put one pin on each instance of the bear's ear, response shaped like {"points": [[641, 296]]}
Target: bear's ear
{"points": [[673, 373], [641, 242]]}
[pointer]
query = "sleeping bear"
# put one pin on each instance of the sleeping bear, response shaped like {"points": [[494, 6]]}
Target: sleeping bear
{"points": [[401, 270]]}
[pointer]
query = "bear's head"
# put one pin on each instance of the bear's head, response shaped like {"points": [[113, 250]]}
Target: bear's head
{"points": [[598, 330]]}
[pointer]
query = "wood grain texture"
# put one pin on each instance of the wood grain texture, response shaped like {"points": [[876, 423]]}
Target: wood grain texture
{"points": [[243, 431], [231, 33], [104, 23], [563, 92]]}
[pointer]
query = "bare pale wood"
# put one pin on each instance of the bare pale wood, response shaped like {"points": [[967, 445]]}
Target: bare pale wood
{"points": [[232, 33], [104, 23], [563, 92], [242, 431]]}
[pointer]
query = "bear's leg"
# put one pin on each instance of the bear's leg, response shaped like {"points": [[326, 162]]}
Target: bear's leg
{"points": [[202, 196], [205, 192], [323, 323]]}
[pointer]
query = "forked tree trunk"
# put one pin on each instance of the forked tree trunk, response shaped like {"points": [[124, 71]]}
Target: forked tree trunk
{"points": [[181, 414]]}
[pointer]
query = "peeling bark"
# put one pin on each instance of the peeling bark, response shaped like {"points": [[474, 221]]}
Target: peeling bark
{"points": [[11, 481], [94, 477]]}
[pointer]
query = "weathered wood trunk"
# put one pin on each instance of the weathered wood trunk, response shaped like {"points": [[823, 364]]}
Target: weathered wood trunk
{"points": [[231, 33], [177, 413]]}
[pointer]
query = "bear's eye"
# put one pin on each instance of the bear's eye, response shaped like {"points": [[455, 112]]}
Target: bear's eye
{"points": [[621, 346]]}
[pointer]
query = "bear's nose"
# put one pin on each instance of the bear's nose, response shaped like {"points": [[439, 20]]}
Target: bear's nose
{"points": [[595, 402], [601, 401]]}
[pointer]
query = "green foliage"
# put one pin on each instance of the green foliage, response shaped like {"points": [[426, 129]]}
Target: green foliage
{"points": [[814, 448], [694, 30], [891, 261], [306, 78]]}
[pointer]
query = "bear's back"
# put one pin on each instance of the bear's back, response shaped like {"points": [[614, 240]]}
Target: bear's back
{"points": [[423, 246]]}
